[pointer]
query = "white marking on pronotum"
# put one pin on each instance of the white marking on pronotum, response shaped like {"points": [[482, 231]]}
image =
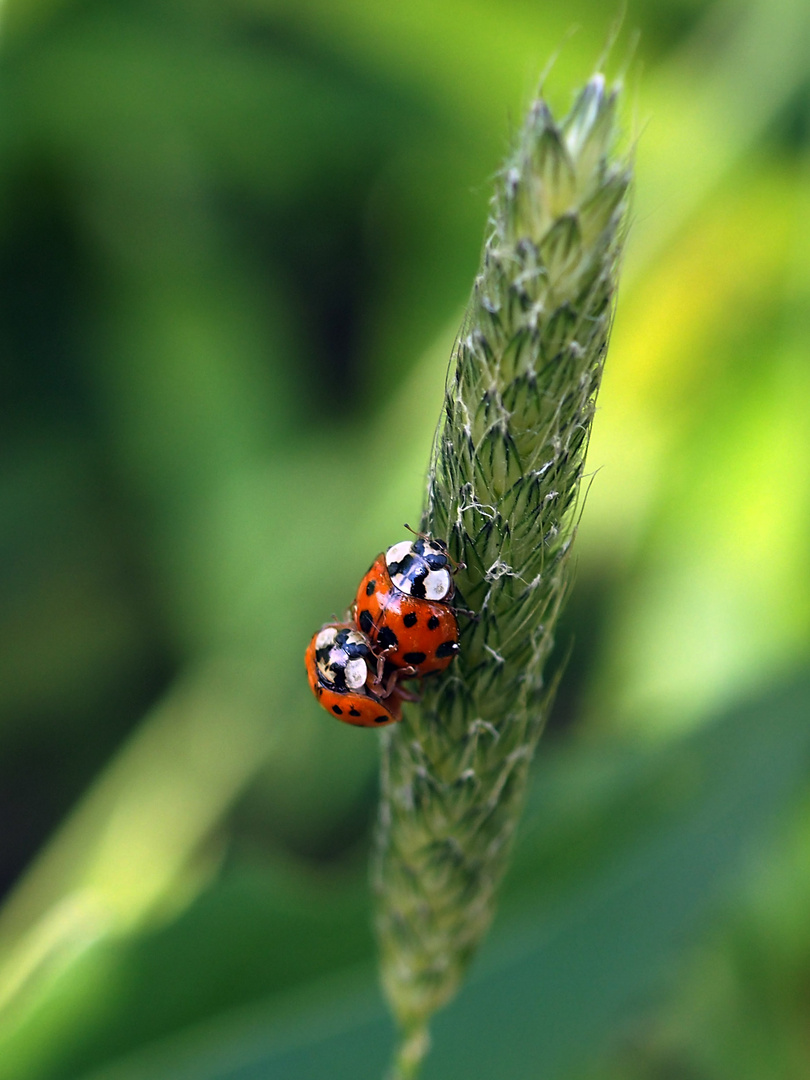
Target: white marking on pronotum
{"points": [[326, 637], [397, 552], [355, 673]]}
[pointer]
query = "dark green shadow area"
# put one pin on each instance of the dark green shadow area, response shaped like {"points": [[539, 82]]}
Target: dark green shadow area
{"points": [[549, 991]]}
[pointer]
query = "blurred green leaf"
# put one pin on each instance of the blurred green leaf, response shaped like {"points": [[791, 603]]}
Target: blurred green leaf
{"points": [[258, 931], [552, 987]]}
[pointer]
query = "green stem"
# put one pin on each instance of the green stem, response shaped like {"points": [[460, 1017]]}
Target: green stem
{"points": [[504, 492], [410, 1053]]}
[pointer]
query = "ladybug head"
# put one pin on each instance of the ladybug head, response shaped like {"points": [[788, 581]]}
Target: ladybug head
{"points": [[421, 568], [341, 658]]}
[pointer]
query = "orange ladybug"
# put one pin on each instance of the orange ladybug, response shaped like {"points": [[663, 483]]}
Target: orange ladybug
{"points": [[403, 608], [346, 677]]}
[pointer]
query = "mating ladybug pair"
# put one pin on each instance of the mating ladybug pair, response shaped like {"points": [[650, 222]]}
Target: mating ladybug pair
{"points": [[403, 628]]}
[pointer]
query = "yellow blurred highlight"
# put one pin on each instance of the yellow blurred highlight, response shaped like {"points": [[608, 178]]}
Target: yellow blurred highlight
{"points": [[718, 597], [65, 931], [721, 274]]}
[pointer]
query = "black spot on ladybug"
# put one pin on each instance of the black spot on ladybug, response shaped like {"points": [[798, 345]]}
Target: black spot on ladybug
{"points": [[447, 648], [339, 678], [418, 585], [353, 711], [337, 709], [410, 619], [365, 621], [433, 622], [387, 639], [355, 650], [370, 587], [415, 658], [381, 719], [403, 566]]}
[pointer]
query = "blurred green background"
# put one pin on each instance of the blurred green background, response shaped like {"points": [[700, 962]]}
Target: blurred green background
{"points": [[236, 239]]}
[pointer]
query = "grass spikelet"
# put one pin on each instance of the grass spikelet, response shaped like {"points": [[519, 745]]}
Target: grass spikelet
{"points": [[503, 491]]}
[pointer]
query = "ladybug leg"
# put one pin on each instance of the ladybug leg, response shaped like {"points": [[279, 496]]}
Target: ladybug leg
{"points": [[408, 695], [464, 610], [391, 683], [376, 680], [381, 657], [471, 615], [393, 678]]}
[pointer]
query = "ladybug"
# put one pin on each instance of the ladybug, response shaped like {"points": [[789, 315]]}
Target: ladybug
{"points": [[403, 607], [346, 678]]}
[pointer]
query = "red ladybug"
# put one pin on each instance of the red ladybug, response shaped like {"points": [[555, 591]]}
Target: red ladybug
{"points": [[402, 606], [346, 678]]}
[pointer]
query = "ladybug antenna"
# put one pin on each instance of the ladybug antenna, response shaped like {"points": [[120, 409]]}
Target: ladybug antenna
{"points": [[456, 564], [424, 536]]}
